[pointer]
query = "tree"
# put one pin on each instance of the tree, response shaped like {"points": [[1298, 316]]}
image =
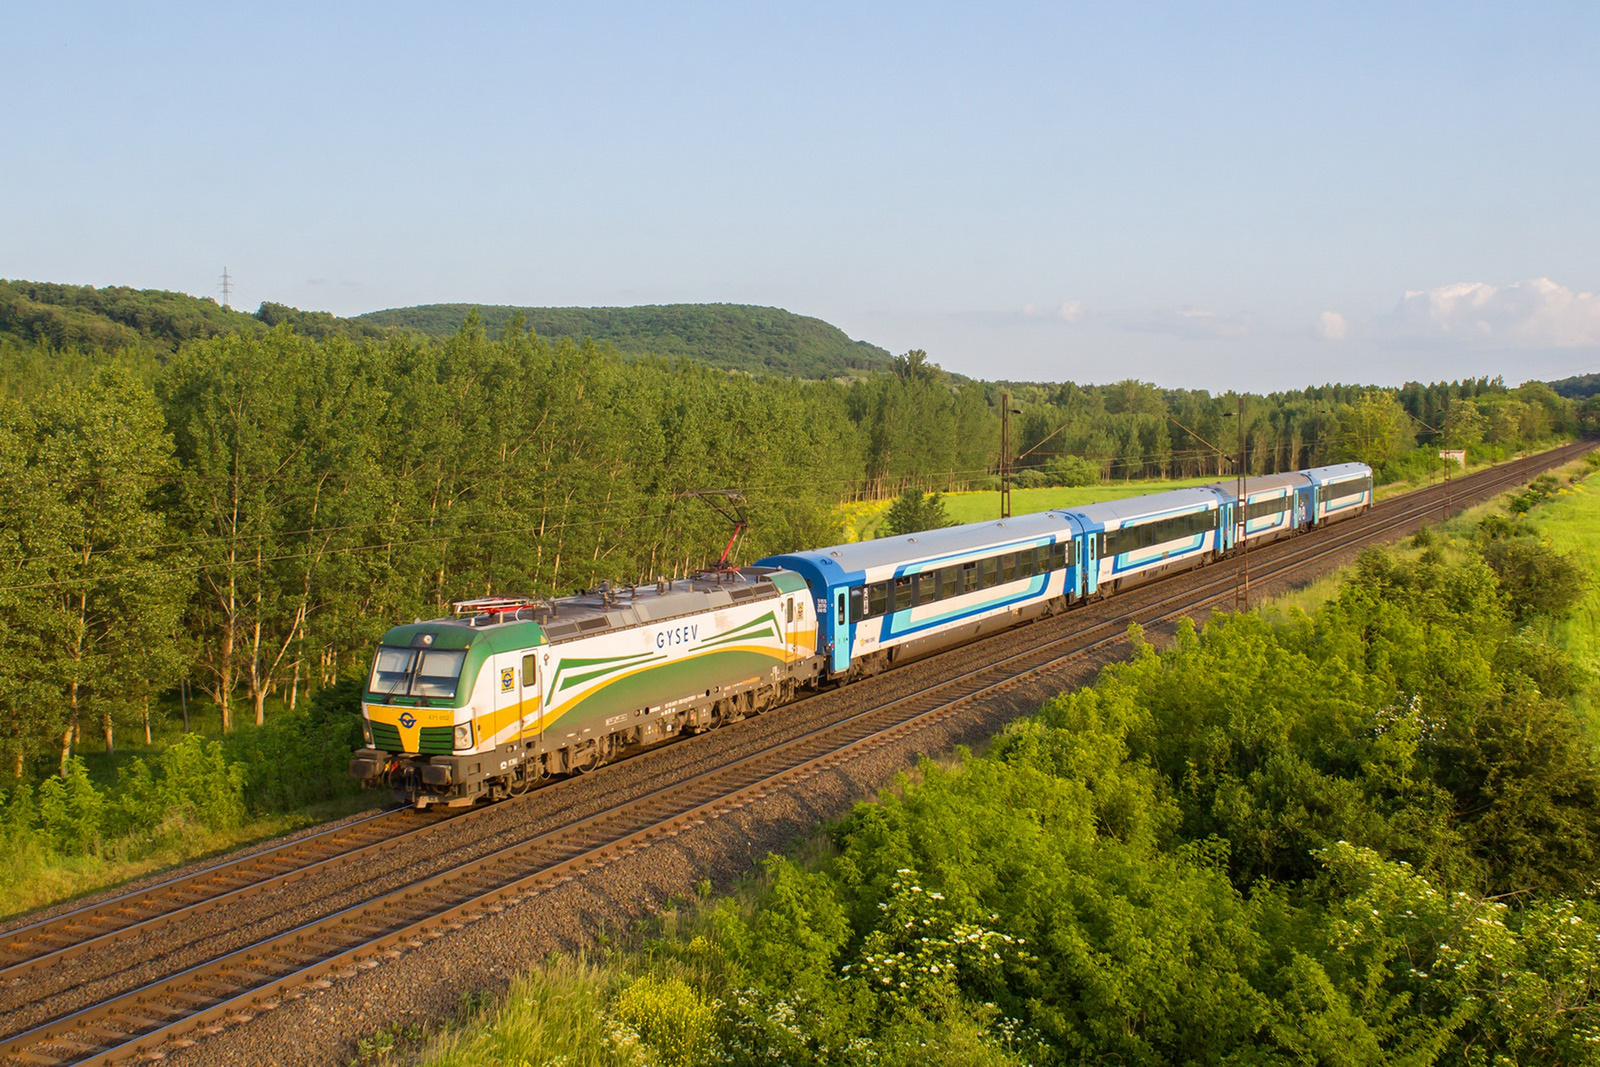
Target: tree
{"points": [[1464, 425], [914, 511], [116, 593], [1378, 428]]}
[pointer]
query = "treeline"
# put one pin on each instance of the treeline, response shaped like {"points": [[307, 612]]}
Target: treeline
{"points": [[1363, 836], [1135, 430], [254, 518], [118, 317]]}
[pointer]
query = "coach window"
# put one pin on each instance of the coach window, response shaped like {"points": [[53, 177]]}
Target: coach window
{"points": [[969, 576], [927, 587], [858, 604], [1025, 563], [902, 593], [1058, 556], [949, 581], [878, 598]]}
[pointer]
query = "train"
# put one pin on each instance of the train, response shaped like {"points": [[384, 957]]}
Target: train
{"points": [[508, 692]]}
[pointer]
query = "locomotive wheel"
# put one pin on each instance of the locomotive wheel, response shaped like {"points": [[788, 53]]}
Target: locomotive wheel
{"points": [[588, 761]]}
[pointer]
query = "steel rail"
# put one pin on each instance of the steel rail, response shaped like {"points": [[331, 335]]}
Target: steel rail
{"points": [[113, 913], [485, 884]]}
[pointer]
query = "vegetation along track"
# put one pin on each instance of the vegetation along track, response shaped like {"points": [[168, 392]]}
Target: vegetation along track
{"points": [[240, 983]]}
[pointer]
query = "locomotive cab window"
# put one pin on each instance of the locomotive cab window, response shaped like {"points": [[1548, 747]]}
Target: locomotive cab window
{"points": [[391, 670], [438, 671], [530, 672]]}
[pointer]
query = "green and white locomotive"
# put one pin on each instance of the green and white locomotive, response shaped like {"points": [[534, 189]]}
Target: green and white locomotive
{"points": [[509, 691]]}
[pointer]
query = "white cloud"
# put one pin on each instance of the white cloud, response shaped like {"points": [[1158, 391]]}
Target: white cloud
{"points": [[1190, 323], [1332, 326], [1071, 311], [1537, 313]]}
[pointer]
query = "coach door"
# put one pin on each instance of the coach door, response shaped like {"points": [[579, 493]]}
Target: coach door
{"points": [[786, 625], [1091, 564], [840, 628], [530, 714]]}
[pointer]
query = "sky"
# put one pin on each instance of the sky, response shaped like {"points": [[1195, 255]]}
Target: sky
{"points": [[1214, 196]]}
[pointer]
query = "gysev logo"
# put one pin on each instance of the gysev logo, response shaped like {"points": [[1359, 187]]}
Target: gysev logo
{"points": [[677, 635], [407, 719], [508, 679]]}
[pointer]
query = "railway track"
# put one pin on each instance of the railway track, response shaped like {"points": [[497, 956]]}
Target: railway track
{"points": [[237, 985]]}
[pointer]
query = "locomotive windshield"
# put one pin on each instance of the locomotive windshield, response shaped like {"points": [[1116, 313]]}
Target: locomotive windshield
{"points": [[416, 672]]}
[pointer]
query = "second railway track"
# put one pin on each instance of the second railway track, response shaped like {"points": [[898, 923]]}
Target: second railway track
{"points": [[252, 978]]}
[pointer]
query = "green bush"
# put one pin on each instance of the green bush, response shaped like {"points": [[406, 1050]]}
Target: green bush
{"points": [[199, 784], [302, 756], [70, 810], [1535, 579], [1072, 471]]}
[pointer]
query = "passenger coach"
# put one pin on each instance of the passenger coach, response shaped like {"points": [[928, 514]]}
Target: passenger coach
{"points": [[1342, 491], [1275, 506], [882, 601], [1133, 540]]}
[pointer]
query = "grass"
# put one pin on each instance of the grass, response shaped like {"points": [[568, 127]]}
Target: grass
{"points": [[1570, 522], [36, 879]]}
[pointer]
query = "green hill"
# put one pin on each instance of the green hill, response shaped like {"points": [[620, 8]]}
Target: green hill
{"points": [[732, 336], [1578, 387], [118, 316]]}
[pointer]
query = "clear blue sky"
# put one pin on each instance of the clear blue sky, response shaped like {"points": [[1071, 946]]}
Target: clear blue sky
{"points": [[1203, 195]]}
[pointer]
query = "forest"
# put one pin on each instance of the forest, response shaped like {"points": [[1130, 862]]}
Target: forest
{"points": [[238, 519]]}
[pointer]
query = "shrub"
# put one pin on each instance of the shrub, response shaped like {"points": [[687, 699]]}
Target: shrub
{"points": [[198, 783], [1072, 472], [70, 810], [1535, 579], [301, 756], [914, 511], [669, 1017]]}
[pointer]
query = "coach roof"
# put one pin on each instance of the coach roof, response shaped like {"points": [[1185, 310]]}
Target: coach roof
{"points": [[1121, 512], [1338, 472], [928, 544], [1266, 483]]}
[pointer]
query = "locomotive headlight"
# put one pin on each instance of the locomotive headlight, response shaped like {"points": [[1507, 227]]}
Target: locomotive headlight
{"points": [[366, 731], [464, 735]]}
